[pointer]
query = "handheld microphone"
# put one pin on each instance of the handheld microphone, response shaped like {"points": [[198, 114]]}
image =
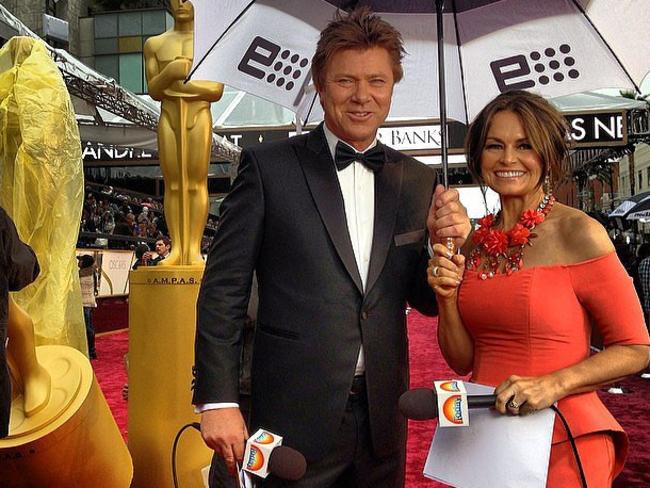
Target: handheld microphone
{"points": [[287, 463], [264, 455], [422, 403]]}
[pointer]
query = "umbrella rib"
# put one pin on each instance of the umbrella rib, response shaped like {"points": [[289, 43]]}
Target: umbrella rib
{"points": [[460, 61], [194, 68], [584, 14], [311, 106]]}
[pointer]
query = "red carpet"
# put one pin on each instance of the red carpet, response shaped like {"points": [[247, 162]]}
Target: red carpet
{"points": [[110, 371], [427, 364], [111, 314]]}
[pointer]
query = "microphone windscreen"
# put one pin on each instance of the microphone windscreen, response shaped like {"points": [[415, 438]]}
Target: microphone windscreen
{"points": [[287, 464], [419, 404]]}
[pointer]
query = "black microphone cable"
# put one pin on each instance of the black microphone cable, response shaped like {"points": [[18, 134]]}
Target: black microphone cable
{"points": [[583, 478], [197, 426]]}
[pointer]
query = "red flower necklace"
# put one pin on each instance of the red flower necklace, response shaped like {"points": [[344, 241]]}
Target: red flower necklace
{"points": [[498, 246]]}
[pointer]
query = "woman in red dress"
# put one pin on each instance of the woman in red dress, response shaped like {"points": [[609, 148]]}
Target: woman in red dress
{"points": [[520, 316]]}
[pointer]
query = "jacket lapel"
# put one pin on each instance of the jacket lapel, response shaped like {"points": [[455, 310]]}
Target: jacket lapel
{"points": [[388, 185], [320, 173]]}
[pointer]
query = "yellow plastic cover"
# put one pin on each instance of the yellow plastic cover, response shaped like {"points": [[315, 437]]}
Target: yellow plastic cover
{"points": [[41, 185]]}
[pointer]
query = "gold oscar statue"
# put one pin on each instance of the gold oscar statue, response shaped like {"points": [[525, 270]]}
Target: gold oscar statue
{"points": [[162, 298], [184, 133], [29, 379], [58, 416], [61, 430]]}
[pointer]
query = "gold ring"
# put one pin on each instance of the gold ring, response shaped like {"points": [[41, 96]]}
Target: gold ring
{"points": [[513, 404]]}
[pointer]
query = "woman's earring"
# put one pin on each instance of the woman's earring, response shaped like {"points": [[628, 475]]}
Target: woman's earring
{"points": [[547, 186]]}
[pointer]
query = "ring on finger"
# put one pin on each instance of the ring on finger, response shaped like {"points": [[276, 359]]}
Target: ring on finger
{"points": [[513, 404], [434, 271]]}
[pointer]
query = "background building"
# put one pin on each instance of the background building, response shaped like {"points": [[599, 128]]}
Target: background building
{"points": [[107, 35], [641, 165], [113, 42], [32, 14]]}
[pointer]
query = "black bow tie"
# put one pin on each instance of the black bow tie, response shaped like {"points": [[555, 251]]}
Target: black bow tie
{"points": [[373, 158]]}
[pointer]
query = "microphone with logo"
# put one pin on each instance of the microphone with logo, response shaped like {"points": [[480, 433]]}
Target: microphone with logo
{"points": [[422, 404], [266, 455]]}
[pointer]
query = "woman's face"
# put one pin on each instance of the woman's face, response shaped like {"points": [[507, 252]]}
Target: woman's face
{"points": [[509, 165]]}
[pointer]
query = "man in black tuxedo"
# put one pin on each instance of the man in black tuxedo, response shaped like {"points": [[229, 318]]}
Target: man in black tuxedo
{"points": [[334, 223]]}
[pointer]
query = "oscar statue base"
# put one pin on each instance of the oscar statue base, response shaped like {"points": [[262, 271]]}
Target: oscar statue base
{"points": [[73, 441], [162, 314]]}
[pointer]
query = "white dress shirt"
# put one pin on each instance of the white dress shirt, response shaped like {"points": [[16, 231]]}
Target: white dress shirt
{"points": [[357, 185]]}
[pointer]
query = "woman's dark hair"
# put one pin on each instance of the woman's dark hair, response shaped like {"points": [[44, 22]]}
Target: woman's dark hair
{"points": [[546, 128]]}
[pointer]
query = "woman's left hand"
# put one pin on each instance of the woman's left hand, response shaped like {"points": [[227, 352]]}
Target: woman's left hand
{"points": [[523, 395]]}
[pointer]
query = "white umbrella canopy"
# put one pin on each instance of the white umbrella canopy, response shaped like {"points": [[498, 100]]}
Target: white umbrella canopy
{"points": [[641, 209], [629, 205], [555, 48]]}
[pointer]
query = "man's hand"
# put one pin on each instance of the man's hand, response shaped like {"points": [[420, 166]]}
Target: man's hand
{"points": [[447, 217], [224, 431]]}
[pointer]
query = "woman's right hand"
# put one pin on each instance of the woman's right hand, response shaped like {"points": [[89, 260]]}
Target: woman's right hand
{"points": [[445, 272]]}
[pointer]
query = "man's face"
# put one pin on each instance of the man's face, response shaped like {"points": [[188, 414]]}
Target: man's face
{"points": [[357, 93], [161, 249]]}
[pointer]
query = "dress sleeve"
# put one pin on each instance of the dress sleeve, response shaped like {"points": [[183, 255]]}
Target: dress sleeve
{"points": [[606, 291]]}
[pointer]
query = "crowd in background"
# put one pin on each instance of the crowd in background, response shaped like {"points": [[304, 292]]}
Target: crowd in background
{"points": [[125, 215], [108, 212]]}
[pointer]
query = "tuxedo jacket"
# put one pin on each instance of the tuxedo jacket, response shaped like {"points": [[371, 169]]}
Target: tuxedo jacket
{"points": [[285, 219]]}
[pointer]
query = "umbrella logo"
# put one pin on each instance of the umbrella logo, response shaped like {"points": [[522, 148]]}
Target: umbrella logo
{"points": [[506, 70], [265, 59]]}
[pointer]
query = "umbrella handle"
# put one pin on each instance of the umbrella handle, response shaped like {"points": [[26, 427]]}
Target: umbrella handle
{"points": [[450, 245], [442, 100]]}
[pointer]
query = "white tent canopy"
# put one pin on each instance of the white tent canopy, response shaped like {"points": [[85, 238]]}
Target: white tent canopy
{"points": [[595, 101]]}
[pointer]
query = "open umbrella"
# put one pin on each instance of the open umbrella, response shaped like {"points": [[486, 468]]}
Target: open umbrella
{"points": [[629, 205], [555, 47], [640, 210]]}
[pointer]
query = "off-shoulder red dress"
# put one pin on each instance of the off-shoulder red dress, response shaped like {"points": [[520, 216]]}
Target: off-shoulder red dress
{"points": [[539, 320]]}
